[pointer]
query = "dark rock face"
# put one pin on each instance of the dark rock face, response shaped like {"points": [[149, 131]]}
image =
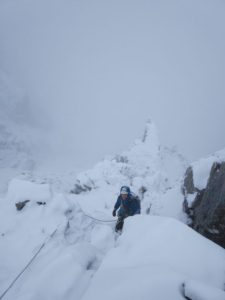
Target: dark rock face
{"points": [[189, 187], [207, 211]]}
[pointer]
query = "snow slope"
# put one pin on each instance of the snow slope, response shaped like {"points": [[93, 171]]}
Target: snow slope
{"points": [[85, 260], [153, 258], [66, 263], [81, 257]]}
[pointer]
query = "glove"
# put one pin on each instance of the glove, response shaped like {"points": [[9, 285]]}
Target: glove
{"points": [[114, 213]]}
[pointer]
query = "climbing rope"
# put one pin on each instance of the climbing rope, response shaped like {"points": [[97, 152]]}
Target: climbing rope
{"points": [[98, 220], [29, 263], [42, 246], [95, 219]]}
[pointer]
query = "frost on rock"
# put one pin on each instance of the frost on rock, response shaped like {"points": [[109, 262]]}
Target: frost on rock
{"points": [[204, 194], [202, 167]]}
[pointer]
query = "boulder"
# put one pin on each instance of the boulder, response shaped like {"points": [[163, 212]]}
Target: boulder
{"points": [[206, 210], [20, 205]]}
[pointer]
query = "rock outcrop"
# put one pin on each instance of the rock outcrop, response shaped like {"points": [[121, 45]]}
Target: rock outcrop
{"points": [[153, 171], [206, 207]]}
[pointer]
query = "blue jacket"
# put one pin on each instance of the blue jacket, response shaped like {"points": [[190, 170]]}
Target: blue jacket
{"points": [[130, 206]]}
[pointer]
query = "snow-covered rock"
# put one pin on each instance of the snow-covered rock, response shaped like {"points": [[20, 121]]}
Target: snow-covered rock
{"points": [[20, 190], [204, 194], [150, 169], [201, 168]]}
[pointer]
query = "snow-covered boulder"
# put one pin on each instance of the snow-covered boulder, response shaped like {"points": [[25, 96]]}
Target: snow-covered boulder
{"points": [[204, 192], [21, 190]]}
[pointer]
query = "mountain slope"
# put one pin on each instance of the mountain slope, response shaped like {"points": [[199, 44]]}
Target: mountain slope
{"points": [[82, 258]]}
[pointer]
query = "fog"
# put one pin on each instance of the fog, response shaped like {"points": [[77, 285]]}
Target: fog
{"points": [[95, 71]]}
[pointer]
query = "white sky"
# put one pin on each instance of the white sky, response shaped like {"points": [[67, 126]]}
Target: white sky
{"points": [[97, 70]]}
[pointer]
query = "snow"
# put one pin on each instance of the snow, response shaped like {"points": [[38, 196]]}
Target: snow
{"points": [[199, 291], [168, 204], [24, 231], [156, 257], [151, 260], [190, 199], [69, 258], [20, 190], [102, 237]]}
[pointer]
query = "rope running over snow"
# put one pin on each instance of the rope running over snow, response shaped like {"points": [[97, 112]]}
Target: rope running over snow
{"points": [[95, 219], [28, 264], [98, 220], [39, 250]]}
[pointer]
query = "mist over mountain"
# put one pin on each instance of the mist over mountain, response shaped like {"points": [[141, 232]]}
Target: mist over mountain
{"points": [[94, 72], [18, 136]]}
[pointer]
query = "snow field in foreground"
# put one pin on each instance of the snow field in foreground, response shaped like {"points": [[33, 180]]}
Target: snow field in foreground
{"points": [[66, 264], [153, 258]]}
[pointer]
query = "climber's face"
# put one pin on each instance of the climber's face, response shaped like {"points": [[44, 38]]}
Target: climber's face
{"points": [[124, 196]]}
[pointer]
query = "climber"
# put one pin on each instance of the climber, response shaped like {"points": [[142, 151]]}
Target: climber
{"points": [[128, 204]]}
